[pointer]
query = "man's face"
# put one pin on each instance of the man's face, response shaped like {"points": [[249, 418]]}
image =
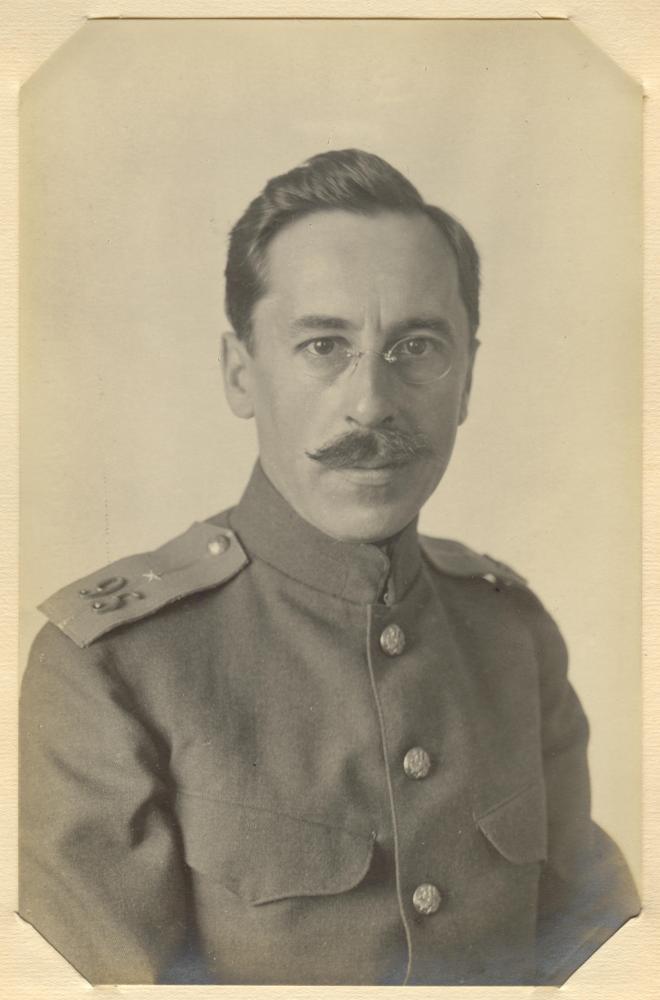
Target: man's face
{"points": [[338, 282]]}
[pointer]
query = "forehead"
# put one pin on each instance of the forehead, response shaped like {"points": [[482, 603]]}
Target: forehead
{"points": [[341, 262]]}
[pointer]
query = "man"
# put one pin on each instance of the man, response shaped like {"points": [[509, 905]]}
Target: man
{"points": [[300, 743]]}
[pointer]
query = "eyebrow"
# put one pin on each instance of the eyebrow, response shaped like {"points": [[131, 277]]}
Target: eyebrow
{"points": [[318, 321], [325, 323], [436, 324]]}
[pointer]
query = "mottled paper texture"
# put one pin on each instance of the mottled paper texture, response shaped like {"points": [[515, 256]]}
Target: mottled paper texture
{"points": [[560, 124]]}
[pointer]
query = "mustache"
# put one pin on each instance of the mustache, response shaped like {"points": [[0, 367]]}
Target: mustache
{"points": [[391, 446]]}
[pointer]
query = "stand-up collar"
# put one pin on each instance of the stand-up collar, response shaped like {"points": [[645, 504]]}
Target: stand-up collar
{"points": [[271, 530]]}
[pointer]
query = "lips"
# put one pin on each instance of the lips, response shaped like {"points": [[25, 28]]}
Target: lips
{"points": [[377, 463], [378, 477]]}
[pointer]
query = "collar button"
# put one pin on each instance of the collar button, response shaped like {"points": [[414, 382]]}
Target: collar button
{"points": [[393, 640]]}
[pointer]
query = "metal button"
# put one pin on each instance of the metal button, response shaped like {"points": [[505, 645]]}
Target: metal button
{"points": [[417, 763], [392, 640], [218, 545], [426, 899]]}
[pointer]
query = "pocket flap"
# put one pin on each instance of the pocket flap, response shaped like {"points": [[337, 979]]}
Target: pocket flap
{"points": [[517, 827], [262, 855]]}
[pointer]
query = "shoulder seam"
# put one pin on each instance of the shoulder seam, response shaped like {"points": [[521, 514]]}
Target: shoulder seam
{"points": [[456, 559]]}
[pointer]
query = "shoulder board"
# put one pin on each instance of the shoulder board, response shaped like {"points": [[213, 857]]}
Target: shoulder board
{"points": [[202, 558], [458, 560]]}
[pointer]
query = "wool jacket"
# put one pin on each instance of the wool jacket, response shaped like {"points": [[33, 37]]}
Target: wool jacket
{"points": [[322, 762]]}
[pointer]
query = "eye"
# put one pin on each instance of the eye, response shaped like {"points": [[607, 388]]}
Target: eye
{"points": [[415, 346], [322, 347], [323, 358]]}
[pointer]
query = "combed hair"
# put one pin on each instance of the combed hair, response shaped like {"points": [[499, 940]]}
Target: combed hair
{"points": [[346, 179]]}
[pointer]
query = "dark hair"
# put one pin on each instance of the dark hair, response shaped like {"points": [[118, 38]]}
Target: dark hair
{"points": [[347, 179]]}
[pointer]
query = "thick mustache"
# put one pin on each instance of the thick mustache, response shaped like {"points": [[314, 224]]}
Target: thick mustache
{"points": [[393, 447]]}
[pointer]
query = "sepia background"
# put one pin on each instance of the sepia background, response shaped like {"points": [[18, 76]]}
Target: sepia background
{"points": [[142, 142]]}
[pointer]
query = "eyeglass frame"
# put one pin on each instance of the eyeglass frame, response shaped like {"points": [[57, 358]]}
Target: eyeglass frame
{"points": [[355, 356]]}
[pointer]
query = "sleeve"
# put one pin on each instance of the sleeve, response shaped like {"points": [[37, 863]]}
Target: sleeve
{"points": [[586, 890], [101, 874]]}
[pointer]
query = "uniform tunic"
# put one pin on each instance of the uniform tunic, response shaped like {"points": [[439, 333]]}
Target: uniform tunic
{"points": [[345, 764]]}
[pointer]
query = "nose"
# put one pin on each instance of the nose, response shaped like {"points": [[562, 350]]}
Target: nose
{"points": [[370, 392]]}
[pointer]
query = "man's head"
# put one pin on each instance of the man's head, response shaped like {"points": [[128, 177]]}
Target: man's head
{"points": [[355, 307]]}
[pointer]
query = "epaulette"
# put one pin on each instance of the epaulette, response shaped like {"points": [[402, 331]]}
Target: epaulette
{"points": [[458, 560], [133, 588]]}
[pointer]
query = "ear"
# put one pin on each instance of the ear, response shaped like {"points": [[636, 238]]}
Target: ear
{"points": [[236, 371], [467, 386]]}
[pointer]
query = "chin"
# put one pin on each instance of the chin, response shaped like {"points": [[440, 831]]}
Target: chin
{"points": [[366, 526]]}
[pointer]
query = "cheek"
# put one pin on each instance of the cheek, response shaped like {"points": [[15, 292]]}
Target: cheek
{"points": [[283, 412], [437, 413]]}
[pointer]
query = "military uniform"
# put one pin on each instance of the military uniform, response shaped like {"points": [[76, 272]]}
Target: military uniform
{"points": [[307, 761]]}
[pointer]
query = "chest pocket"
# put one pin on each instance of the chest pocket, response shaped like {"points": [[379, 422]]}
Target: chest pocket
{"points": [[517, 827], [262, 855]]}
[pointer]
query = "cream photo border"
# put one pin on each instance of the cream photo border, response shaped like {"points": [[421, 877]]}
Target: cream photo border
{"points": [[629, 964]]}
